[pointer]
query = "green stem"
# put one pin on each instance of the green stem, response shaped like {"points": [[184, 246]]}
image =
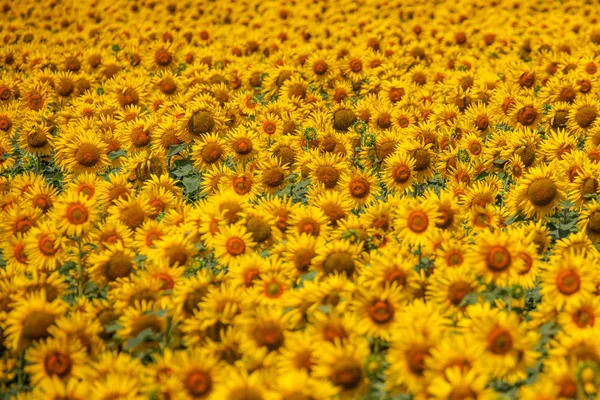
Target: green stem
{"points": [[79, 268]]}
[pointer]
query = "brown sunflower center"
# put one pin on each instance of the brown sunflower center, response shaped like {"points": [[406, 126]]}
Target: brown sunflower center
{"points": [[568, 282], [167, 86], [416, 361], [328, 175], [273, 290], [235, 246], [356, 65], [482, 123], [422, 159], [242, 184], [37, 139], [201, 122], [498, 258], [176, 254], [259, 228], [499, 341], [417, 221], [340, 261], [396, 94], [162, 57], [119, 266], [320, 67], [381, 311], [359, 187], [273, 177], [526, 115], [567, 95], [270, 336], [5, 123], [269, 127], [542, 192], [198, 383], [347, 374], [87, 155], [594, 222], [242, 146], [584, 317], [58, 364], [343, 119], [457, 291], [36, 325], [46, 245], [77, 214], [401, 173], [585, 116]]}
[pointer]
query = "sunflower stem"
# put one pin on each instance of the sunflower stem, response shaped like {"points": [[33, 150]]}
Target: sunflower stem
{"points": [[79, 268], [21, 372], [168, 331]]}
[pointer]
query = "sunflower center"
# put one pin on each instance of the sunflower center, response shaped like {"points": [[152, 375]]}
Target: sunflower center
{"points": [[119, 266], [462, 393], [22, 225], [416, 361], [498, 258], [36, 102], [384, 121], [482, 123], [147, 321], [36, 325], [46, 245], [259, 228], [343, 119], [381, 311], [542, 192], [568, 388], [328, 175], [422, 159], [499, 341], [446, 220], [19, 253], [594, 222], [235, 246], [589, 186], [140, 137], [586, 116], [243, 146], [396, 94], [37, 139], [133, 216], [77, 214], [242, 184], [567, 95], [87, 155], [167, 86], [211, 153], [320, 67], [401, 173], [273, 177], [58, 364], [418, 221], [356, 65], [396, 276], [163, 57], [568, 282], [527, 263], [457, 291], [340, 261], [273, 290], [176, 254], [303, 259], [359, 187], [527, 115], [347, 374], [269, 127], [584, 317], [270, 336], [198, 383], [201, 122], [5, 123]]}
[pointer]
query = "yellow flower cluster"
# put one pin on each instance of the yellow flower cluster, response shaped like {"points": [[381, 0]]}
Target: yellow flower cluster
{"points": [[284, 199]]}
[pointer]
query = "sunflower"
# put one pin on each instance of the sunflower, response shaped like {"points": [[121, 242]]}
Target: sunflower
{"points": [[84, 152], [338, 256], [203, 116], [241, 384], [265, 327], [308, 220], [140, 317], [75, 214], [457, 383], [175, 248], [567, 279], [36, 138], [243, 145], [584, 184], [343, 366], [450, 286], [78, 327], [45, 247], [131, 211], [580, 314], [416, 221], [56, 358], [327, 170], [232, 242], [112, 263], [583, 115], [8, 119], [208, 150], [377, 312], [398, 172], [335, 205], [18, 221], [507, 341], [30, 320], [538, 193]]}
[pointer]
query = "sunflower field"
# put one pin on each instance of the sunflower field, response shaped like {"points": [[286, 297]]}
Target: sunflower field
{"points": [[299, 199]]}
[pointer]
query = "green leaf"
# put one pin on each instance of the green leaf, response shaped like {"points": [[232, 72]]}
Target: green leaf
{"points": [[139, 339], [191, 184], [113, 155], [176, 149]]}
